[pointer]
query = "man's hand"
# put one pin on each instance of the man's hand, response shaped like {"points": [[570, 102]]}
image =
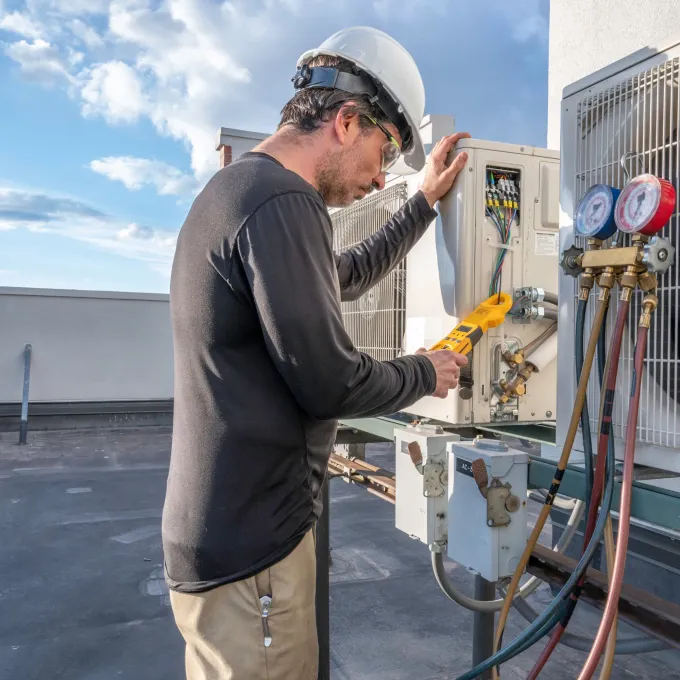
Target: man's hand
{"points": [[438, 177], [447, 367]]}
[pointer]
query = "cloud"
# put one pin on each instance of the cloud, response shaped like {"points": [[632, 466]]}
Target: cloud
{"points": [[40, 61], [113, 91], [22, 24], [191, 66], [75, 219], [136, 173]]}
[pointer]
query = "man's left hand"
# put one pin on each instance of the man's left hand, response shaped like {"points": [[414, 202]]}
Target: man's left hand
{"points": [[439, 177]]}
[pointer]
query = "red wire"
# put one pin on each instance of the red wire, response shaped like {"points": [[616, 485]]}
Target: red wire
{"points": [[598, 480], [624, 515]]}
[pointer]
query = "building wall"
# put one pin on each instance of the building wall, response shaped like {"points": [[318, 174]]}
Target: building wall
{"points": [[87, 345], [586, 35]]}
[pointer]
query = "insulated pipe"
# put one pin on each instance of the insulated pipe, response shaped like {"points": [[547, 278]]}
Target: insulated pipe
{"points": [[544, 354], [550, 298], [550, 314], [527, 349]]}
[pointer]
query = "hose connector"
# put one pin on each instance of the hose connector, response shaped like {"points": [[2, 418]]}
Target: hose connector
{"points": [[649, 304], [516, 387], [607, 278], [628, 282], [647, 281]]}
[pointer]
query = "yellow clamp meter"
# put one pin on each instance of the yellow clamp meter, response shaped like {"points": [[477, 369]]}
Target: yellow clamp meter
{"points": [[469, 331]]}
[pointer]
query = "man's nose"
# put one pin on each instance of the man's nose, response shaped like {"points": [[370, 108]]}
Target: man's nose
{"points": [[379, 182]]}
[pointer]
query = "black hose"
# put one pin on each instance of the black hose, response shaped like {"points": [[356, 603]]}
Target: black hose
{"points": [[550, 314], [550, 298], [635, 645], [585, 417]]}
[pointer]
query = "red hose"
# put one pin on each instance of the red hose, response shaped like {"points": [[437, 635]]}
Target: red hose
{"points": [[598, 480], [624, 515]]}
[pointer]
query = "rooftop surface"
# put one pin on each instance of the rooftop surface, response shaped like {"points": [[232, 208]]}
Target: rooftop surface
{"points": [[82, 595]]}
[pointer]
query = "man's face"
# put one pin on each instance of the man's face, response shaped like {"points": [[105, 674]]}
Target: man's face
{"points": [[349, 173]]}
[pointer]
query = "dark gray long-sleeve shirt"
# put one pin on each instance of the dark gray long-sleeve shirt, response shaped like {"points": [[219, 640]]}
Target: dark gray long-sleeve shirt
{"points": [[264, 367]]}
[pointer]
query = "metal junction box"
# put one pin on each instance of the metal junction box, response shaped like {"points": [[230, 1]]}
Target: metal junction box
{"points": [[422, 483], [487, 507]]}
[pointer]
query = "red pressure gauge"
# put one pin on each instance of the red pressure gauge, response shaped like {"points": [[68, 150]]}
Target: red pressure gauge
{"points": [[645, 205]]}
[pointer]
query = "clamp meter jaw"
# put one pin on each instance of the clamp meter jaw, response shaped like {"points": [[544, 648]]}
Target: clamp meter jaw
{"points": [[490, 314]]}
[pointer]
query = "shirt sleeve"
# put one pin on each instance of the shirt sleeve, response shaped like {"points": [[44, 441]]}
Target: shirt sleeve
{"points": [[365, 264], [287, 255]]}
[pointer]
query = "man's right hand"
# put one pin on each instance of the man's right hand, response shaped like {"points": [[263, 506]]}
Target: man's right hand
{"points": [[447, 366]]}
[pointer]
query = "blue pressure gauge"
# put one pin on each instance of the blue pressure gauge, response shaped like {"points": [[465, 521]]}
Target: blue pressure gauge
{"points": [[595, 212]]}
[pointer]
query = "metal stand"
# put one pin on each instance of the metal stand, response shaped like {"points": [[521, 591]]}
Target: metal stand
{"points": [[323, 585], [23, 427], [483, 625]]}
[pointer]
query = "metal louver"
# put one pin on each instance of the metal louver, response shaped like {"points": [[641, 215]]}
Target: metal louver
{"points": [[634, 125], [375, 321]]}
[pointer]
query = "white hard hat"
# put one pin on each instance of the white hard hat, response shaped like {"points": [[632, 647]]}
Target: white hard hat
{"points": [[400, 93]]}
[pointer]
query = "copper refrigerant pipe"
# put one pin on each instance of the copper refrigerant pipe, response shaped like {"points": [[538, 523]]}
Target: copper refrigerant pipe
{"points": [[648, 305]]}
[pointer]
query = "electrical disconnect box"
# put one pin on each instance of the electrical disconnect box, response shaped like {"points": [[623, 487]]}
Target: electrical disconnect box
{"points": [[487, 513], [422, 483]]}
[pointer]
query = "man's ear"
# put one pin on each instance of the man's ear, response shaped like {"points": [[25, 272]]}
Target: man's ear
{"points": [[347, 125]]}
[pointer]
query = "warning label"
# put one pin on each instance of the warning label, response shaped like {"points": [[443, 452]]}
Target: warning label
{"points": [[547, 243]]}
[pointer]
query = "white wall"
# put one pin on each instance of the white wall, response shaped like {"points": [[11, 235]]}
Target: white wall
{"points": [[87, 345], [586, 35]]}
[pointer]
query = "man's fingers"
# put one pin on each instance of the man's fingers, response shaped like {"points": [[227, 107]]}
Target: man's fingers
{"points": [[422, 350], [460, 359], [456, 166], [445, 144]]}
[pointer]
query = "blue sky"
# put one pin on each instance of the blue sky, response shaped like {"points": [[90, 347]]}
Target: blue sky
{"points": [[110, 110]]}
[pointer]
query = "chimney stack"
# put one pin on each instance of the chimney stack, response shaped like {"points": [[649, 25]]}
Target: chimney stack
{"points": [[233, 143]]}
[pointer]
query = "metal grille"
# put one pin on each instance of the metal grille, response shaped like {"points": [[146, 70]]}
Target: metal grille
{"points": [[638, 116], [375, 321]]}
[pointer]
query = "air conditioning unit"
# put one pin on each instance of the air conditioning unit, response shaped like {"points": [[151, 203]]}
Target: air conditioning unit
{"points": [[497, 231], [617, 123]]}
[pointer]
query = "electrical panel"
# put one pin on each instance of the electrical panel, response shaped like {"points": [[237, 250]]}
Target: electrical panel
{"points": [[487, 512], [422, 483]]}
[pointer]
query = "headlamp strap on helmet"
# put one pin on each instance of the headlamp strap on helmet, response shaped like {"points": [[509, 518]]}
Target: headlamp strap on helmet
{"points": [[333, 78]]}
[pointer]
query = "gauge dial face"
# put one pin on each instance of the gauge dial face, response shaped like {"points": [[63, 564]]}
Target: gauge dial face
{"points": [[638, 204], [595, 212]]}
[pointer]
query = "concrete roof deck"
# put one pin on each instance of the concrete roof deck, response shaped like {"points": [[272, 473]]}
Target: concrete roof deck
{"points": [[82, 595]]}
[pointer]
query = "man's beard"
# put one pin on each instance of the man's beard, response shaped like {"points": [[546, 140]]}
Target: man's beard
{"points": [[335, 179]]}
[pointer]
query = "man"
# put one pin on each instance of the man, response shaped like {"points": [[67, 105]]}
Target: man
{"points": [[263, 365]]}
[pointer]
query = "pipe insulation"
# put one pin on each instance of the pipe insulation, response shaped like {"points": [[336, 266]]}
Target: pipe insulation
{"points": [[544, 354]]}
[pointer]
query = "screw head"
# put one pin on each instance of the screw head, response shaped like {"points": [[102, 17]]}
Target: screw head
{"points": [[548, 414], [536, 200], [471, 169], [663, 255], [490, 522], [533, 414]]}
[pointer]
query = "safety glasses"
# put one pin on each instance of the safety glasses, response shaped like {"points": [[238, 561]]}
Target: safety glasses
{"points": [[390, 150]]}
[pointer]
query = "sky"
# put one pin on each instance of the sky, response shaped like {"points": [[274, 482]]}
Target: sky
{"points": [[109, 110]]}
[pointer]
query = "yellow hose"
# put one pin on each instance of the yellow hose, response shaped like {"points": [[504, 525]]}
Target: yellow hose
{"points": [[581, 392]]}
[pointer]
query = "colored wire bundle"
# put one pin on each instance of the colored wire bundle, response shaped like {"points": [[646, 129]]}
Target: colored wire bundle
{"points": [[502, 209], [503, 219]]}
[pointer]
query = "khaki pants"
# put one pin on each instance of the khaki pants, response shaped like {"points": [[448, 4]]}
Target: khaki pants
{"points": [[224, 629]]}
